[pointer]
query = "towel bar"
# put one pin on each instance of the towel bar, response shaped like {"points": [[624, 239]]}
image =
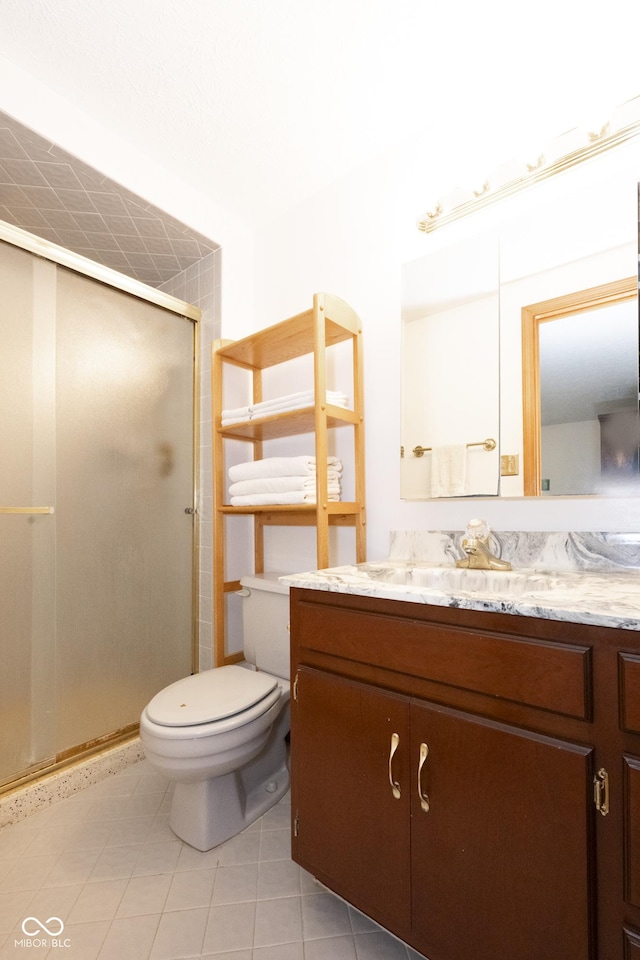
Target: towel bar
{"points": [[488, 445]]}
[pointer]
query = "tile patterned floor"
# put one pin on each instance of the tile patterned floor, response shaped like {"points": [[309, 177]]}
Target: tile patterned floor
{"points": [[105, 864]]}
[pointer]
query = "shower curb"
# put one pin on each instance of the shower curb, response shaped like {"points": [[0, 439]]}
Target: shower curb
{"points": [[50, 788]]}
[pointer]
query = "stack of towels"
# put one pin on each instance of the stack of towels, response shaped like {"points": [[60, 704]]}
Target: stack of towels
{"points": [[267, 408], [280, 480]]}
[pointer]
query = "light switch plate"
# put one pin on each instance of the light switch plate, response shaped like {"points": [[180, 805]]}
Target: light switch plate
{"points": [[509, 466]]}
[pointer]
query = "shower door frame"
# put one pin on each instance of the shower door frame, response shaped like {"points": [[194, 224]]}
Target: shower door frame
{"points": [[118, 281]]}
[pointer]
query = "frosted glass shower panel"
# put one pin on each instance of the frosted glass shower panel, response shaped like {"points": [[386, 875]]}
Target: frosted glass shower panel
{"points": [[125, 484], [27, 534]]}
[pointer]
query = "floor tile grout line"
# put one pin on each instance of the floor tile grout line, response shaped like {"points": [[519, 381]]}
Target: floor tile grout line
{"points": [[261, 847]]}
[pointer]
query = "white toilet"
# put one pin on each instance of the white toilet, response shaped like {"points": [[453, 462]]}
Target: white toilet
{"points": [[221, 734]]}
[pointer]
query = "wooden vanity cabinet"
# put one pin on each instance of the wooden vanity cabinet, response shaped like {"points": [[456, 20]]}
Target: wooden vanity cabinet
{"points": [[444, 770], [354, 835]]}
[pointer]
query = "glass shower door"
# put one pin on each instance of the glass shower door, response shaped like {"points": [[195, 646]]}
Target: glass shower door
{"points": [[27, 520], [124, 486], [97, 527]]}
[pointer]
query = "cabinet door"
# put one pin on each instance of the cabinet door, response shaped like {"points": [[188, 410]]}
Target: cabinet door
{"points": [[501, 860], [350, 830]]}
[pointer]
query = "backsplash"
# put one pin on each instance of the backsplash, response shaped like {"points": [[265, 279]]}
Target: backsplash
{"points": [[535, 550]]}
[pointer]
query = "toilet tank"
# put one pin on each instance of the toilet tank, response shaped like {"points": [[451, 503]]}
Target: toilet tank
{"points": [[265, 623]]}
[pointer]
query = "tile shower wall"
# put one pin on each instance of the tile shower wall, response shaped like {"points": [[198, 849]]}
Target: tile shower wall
{"points": [[200, 284], [49, 192]]}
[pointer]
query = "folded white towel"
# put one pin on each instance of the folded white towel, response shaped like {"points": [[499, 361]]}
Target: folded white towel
{"points": [[295, 402], [279, 467], [298, 397], [274, 409], [237, 413], [448, 471], [229, 421], [337, 398], [266, 408], [290, 400], [280, 485], [276, 499]]}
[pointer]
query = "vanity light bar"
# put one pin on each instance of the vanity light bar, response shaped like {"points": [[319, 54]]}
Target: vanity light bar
{"points": [[567, 151]]}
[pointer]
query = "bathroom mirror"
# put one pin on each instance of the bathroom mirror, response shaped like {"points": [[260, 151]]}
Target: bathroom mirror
{"points": [[451, 402], [581, 431], [573, 233]]}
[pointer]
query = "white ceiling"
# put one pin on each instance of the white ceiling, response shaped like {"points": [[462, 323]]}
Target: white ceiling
{"points": [[259, 103]]}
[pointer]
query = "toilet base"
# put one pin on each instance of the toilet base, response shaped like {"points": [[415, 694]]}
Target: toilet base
{"points": [[208, 812]]}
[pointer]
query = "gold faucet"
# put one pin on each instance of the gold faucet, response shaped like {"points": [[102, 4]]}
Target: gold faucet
{"points": [[475, 544]]}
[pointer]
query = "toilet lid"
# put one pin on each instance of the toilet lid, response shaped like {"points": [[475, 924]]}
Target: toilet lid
{"points": [[210, 695]]}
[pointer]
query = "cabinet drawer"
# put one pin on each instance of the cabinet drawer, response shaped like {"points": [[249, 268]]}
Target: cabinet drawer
{"points": [[630, 692], [538, 673]]}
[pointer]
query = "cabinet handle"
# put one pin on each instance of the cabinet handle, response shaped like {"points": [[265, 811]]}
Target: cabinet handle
{"points": [[395, 786], [424, 799], [601, 791]]}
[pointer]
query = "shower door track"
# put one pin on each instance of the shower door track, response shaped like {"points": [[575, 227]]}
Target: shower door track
{"points": [[67, 758], [90, 268]]}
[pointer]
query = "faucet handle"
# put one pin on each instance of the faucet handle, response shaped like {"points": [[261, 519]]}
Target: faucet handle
{"points": [[478, 529]]}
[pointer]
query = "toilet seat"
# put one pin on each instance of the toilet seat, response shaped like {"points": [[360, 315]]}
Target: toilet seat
{"points": [[211, 696]]}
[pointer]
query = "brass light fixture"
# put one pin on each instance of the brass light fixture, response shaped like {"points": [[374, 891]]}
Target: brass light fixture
{"points": [[561, 154]]}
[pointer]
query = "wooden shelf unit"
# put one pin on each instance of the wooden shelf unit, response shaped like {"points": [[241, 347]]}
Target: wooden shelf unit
{"points": [[328, 322]]}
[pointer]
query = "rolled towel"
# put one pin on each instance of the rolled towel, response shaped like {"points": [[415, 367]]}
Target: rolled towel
{"points": [[279, 467], [279, 485], [276, 499]]}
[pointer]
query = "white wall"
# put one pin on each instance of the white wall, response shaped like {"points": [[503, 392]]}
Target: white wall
{"points": [[566, 444], [54, 118], [352, 239]]}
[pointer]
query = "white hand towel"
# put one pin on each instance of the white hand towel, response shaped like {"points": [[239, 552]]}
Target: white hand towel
{"points": [[279, 467], [448, 471]]}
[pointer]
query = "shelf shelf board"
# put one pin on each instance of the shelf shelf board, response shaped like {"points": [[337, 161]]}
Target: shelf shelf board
{"points": [[339, 513], [287, 424], [291, 338]]}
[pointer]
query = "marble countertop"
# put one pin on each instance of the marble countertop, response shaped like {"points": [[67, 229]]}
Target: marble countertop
{"points": [[609, 598]]}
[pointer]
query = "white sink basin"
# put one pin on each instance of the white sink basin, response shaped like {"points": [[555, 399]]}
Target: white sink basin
{"points": [[459, 580]]}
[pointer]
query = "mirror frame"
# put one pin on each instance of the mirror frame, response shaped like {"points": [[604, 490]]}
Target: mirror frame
{"points": [[533, 316]]}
